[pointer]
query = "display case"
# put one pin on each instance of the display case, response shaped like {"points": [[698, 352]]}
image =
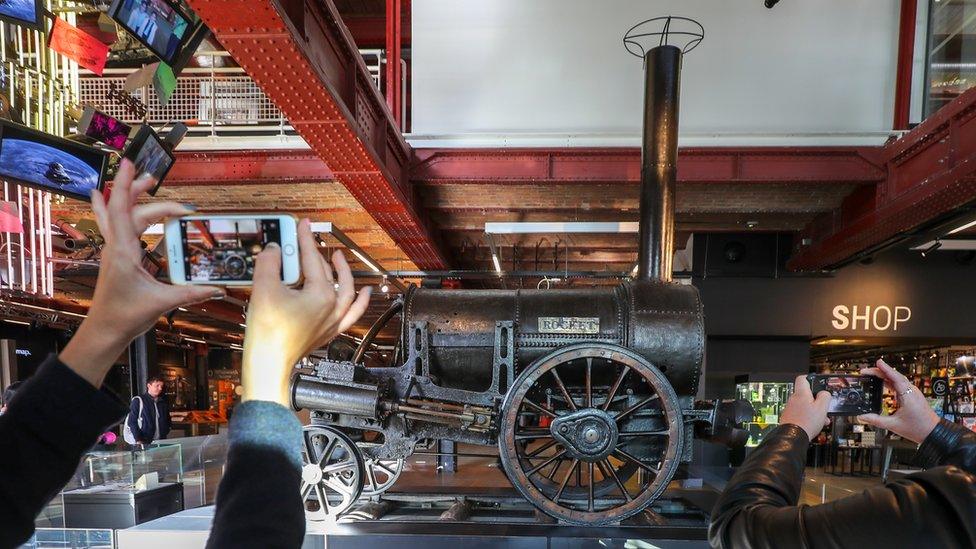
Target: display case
{"points": [[115, 470], [203, 460], [768, 400]]}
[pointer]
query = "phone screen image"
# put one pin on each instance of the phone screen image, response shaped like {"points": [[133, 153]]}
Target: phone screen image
{"points": [[111, 131], [155, 23], [150, 157], [220, 250], [850, 395]]}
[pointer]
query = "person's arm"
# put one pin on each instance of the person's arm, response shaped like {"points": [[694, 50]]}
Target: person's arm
{"points": [[59, 413], [54, 419], [258, 501], [949, 444], [132, 420], [758, 508]]}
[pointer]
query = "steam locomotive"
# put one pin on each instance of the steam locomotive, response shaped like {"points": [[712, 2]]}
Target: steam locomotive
{"points": [[588, 394]]}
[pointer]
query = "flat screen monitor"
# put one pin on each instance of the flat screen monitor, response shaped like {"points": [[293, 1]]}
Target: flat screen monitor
{"points": [[102, 127], [150, 156], [50, 163], [27, 13], [160, 26]]}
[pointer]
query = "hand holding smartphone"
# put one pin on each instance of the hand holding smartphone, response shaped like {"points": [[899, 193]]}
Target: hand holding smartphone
{"points": [[220, 249], [850, 395]]}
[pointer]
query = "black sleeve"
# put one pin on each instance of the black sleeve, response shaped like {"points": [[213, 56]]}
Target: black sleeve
{"points": [[54, 418], [258, 503], [935, 508], [949, 444]]}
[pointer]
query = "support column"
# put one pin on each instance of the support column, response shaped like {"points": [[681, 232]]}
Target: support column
{"points": [[200, 366], [394, 90], [142, 362]]}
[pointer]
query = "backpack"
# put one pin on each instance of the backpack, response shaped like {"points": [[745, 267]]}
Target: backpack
{"points": [[127, 433]]}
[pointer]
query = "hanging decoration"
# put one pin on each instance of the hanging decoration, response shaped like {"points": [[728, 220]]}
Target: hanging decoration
{"points": [[135, 107], [141, 78], [164, 83], [78, 46]]}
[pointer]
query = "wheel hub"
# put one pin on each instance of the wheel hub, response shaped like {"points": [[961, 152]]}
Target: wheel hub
{"points": [[588, 435], [311, 473]]}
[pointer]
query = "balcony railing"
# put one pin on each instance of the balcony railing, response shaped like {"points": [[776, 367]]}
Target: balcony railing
{"points": [[215, 102]]}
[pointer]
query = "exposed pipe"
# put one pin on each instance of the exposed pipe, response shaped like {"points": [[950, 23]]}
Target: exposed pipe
{"points": [[659, 153], [380, 323]]}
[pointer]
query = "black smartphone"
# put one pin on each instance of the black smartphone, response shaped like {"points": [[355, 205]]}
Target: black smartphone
{"points": [[150, 155], [850, 395]]}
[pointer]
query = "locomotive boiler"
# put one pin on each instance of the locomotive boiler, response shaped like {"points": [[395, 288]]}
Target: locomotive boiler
{"points": [[588, 394]]}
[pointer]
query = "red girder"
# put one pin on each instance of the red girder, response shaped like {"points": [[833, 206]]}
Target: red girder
{"points": [[305, 60], [247, 167], [571, 165], [931, 171]]}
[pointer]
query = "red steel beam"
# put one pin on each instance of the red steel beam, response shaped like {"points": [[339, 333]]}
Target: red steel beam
{"points": [[302, 56], [931, 171], [254, 167], [573, 165], [906, 57]]}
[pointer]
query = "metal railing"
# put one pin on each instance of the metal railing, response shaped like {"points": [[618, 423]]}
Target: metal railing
{"points": [[215, 101]]}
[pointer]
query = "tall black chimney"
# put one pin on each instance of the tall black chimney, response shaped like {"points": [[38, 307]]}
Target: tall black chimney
{"points": [[659, 154]]}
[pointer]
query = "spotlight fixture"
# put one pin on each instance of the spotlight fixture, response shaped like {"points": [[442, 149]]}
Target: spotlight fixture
{"points": [[935, 246], [320, 240], [385, 286], [771, 3]]}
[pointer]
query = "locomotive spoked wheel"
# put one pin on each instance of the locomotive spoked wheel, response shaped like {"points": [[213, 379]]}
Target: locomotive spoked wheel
{"points": [[585, 417], [380, 473], [332, 477]]}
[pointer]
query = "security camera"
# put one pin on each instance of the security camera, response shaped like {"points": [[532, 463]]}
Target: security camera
{"points": [[771, 3]]}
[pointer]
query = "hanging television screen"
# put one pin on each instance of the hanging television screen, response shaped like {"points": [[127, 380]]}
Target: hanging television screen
{"points": [[160, 26], [150, 156], [102, 127], [50, 163], [27, 13]]}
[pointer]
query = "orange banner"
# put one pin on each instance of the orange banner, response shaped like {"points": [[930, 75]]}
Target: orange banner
{"points": [[78, 46]]}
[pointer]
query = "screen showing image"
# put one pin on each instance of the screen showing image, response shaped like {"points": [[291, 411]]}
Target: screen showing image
{"points": [[154, 23], [224, 249], [153, 159], [111, 131], [23, 11], [850, 395], [45, 161]]}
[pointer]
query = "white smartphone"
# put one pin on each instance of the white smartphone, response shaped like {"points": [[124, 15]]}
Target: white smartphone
{"points": [[219, 249]]}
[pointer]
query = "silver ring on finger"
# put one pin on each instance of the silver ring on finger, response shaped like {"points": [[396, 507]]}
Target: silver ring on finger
{"points": [[907, 392]]}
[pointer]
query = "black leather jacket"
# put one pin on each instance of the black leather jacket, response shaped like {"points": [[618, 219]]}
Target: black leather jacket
{"points": [[932, 508]]}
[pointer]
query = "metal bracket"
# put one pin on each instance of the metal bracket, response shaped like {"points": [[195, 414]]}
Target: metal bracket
{"points": [[418, 355], [503, 367]]}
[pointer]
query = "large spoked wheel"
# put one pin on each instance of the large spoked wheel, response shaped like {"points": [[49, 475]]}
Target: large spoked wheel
{"points": [[332, 478], [585, 416], [381, 473]]}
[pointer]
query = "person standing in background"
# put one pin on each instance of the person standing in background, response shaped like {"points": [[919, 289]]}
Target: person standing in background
{"points": [[148, 418]]}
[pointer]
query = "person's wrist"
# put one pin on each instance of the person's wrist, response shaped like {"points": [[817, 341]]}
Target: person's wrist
{"points": [[93, 350], [926, 426]]}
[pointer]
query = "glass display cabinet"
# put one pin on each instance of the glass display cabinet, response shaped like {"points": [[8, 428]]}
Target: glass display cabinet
{"points": [[768, 400]]}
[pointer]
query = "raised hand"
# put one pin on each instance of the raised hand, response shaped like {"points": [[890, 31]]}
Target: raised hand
{"points": [[805, 411], [127, 299], [285, 324], [914, 419]]}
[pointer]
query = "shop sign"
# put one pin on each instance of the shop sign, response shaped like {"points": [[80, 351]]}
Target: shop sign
{"points": [[879, 318]]}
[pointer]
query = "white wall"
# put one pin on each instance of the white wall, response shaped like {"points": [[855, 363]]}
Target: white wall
{"points": [[510, 70]]}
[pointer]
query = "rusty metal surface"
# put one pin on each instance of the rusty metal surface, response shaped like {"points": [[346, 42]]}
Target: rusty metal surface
{"points": [[303, 57], [931, 171]]}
